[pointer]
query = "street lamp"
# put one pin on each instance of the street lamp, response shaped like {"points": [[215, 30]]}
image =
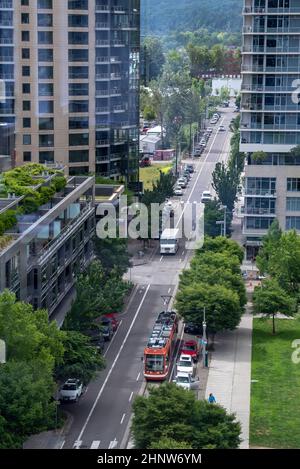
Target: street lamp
{"points": [[204, 339], [224, 207]]}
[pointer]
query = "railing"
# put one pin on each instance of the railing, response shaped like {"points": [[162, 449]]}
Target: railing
{"points": [[102, 109], [6, 22], [260, 192], [102, 25], [259, 211], [6, 4], [102, 142], [6, 40], [273, 50], [101, 76], [100, 7], [119, 107], [102, 42]]}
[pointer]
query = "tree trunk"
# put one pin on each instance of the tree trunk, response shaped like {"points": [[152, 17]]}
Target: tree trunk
{"points": [[274, 331]]}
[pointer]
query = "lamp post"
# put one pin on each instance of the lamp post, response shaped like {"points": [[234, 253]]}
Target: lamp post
{"points": [[204, 339], [224, 207]]}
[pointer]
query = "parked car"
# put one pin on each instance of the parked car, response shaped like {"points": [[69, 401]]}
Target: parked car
{"points": [[114, 320], [182, 182], [209, 130], [192, 348], [186, 381], [221, 128], [190, 168], [236, 109], [106, 326], [190, 328], [213, 120], [178, 191], [206, 197], [71, 390], [96, 338], [185, 365], [169, 209], [187, 175]]}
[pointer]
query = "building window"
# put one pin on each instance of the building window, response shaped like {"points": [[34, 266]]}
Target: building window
{"points": [[46, 157], [26, 105], [46, 140], [45, 55], [45, 89], [78, 139], [25, 71], [44, 4], [78, 171], [25, 3], [26, 156], [46, 107], [46, 123], [78, 156], [45, 37], [45, 19], [78, 123], [25, 53], [25, 36], [78, 21], [78, 72], [76, 37], [26, 122], [45, 72], [26, 139], [292, 223], [258, 223], [78, 89], [26, 88], [78, 55], [293, 184], [293, 204], [78, 5], [25, 18], [78, 106]]}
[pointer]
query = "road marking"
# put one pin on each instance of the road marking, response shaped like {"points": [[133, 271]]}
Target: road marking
{"points": [[138, 376], [95, 444], [180, 260], [112, 340], [62, 445], [160, 260], [77, 444], [113, 365], [131, 396], [122, 419], [169, 291], [113, 444]]}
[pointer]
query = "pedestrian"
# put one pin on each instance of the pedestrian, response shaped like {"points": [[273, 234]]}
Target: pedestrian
{"points": [[212, 399]]}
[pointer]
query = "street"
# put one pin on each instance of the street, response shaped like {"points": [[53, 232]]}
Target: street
{"points": [[100, 418]]}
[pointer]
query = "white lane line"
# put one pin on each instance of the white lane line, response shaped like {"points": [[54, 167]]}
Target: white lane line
{"points": [[77, 444], [113, 444], [112, 340], [138, 376], [131, 396], [62, 445], [95, 444], [161, 259], [169, 291], [122, 419], [113, 365]]}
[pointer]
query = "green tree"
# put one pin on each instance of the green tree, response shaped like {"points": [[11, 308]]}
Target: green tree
{"points": [[271, 299], [221, 244], [113, 254], [225, 183], [169, 443], [153, 58], [269, 248], [170, 412], [212, 214]]}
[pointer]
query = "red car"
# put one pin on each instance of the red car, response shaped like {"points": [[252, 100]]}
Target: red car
{"points": [[114, 320], [191, 347]]}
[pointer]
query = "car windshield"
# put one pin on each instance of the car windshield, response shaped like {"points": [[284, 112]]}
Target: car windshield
{"points": [[69, 387], [167, 241], [189, 347], [154, 363], [183, 379], [184, 363]]}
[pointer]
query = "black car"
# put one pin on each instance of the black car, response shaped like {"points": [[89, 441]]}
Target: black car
{"points": [[190, 168], [96, 338], [107, 328], [190, 328]]}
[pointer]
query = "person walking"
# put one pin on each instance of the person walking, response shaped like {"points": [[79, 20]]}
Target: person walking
{"points": [[212, 399]]}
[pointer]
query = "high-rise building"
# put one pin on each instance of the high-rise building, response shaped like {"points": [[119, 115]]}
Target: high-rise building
{"points": [[270, 117], [71, 75]]}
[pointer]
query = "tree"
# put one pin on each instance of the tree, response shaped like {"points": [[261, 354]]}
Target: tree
{"points": [[271, 299], [113, 254], [170, 412], [225, 183], [221, 244], [212, 214], [270, 245], [153, 58], [169, 443], [80, 360]]}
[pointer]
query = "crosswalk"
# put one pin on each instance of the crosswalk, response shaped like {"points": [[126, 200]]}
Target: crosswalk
{"points": [[94, 445]]}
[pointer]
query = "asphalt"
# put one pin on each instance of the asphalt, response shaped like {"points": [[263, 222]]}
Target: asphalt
{"points": [[100, 419]]}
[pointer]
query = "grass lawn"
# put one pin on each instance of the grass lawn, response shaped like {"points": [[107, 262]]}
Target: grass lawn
{"points": [[151, 174], [275, 409]]}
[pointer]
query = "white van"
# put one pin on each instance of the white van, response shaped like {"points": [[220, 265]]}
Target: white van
{"points": [[169, 241]]}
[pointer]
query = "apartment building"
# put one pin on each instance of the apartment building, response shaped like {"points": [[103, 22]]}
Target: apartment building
{"points": [[70, 69], [270, 117]]}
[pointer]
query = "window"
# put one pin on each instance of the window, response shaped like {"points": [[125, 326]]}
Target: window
{"points": [[44, 4], [25, 18], [26, 88], [73, 171], [292, 223], [293, 184], [78, 55], [78, 156], [26, 105], [45, 72], [45, 37], [76, 37], [78, 106], [26, 122], [26, 156], [45, 107], [78, 139], [45, 89], [293, 204], [25, 35], [46, 123], [78, 123], [25, 53], [78, 4], [46, 140], [45, 55], [46, 157], [25, 71], [78, 89], [25, 3], [78, 72], [260, 223], [78, 21], [45, 19], [26, 139]]}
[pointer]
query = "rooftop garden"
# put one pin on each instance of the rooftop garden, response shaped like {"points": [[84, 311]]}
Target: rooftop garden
{"points": [[25, 181]]}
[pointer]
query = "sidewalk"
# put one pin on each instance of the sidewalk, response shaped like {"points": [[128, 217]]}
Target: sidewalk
{"points": [[229, 377]]}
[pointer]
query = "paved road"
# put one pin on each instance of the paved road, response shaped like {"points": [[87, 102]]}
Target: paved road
{"points": [[101, 417]]}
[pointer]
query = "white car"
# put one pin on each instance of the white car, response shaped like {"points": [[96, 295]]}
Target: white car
{"points": [[185, 365], [71, 390], [178, 191], [213, 121], [186, 381], [209, 130], [206, 197], [222, 128], [182, 182]]}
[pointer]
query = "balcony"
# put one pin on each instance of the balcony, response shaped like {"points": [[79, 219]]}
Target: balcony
{"points": [[102, 26], [102, 42], [119, 108], [102, 143], [102, 110], [270, 193], [102, 8], [269, 212], [6, 4]]}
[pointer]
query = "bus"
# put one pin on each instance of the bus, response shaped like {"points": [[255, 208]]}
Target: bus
{"points": [[160, 347]]}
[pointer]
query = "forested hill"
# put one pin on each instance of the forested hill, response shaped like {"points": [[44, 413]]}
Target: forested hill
{"points": [[162, 17]]}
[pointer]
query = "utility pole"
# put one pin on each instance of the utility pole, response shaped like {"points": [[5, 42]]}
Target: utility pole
{"points": [[204, 339]]}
